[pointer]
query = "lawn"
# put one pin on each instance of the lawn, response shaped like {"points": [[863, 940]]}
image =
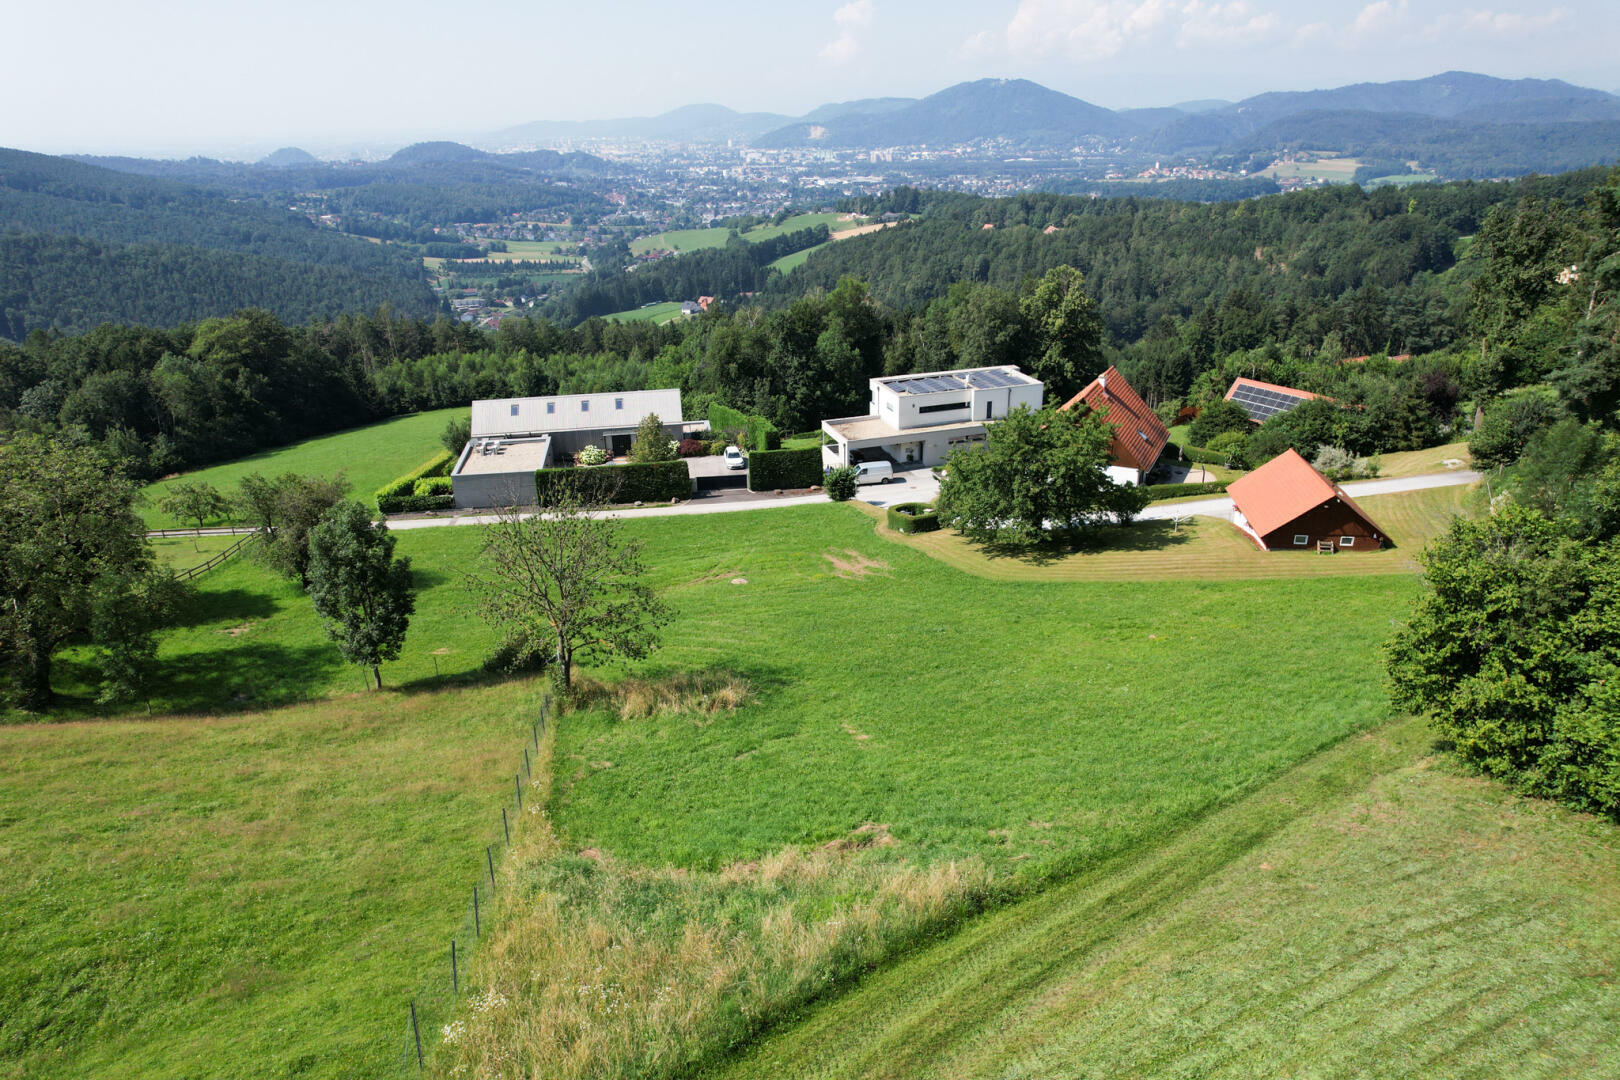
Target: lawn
{"points": [[1337, 169], [1200, 549], [369, 456], [789, 263], [1421, 462], [246, 895], [1369, 913]]}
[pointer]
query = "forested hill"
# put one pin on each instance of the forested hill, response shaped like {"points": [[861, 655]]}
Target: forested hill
{"points": [[83, 245], [1146, 259]]}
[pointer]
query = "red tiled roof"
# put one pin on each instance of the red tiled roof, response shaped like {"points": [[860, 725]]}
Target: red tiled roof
{"points": [[1139, 435], [1282, 489]]}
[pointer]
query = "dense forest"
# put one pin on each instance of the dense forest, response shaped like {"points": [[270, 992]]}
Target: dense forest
{"points": [[84, 245], [1282, 289]]}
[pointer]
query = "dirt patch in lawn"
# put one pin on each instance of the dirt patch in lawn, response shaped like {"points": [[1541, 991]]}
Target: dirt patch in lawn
{"points": [[852, 564]]}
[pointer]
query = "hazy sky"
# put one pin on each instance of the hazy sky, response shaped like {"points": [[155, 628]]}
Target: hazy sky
{"points": [[176, 78]]}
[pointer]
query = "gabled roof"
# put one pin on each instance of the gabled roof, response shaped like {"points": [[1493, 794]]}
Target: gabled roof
{"points": [[1284, 488], [1263, 400], [1139, 435]]}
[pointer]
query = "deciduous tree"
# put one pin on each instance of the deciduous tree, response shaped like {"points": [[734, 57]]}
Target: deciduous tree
{"points": [[362, 593]]}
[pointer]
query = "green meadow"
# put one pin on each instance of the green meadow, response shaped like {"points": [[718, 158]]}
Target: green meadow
{"points": [[683, 240], [670, 309], [369, 456]]}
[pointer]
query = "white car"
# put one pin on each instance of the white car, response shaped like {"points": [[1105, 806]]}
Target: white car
{"points": [[734, 458]]}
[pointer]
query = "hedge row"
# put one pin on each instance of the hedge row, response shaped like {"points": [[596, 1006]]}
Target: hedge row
{"points": [[433, 485], [438, 465], [1198, 455], [913, 518], [648, 481], [1176, 491], [414, 504], [772, 469]]}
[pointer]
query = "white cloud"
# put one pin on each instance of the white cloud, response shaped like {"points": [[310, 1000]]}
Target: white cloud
{"points": [[1310, 32], [851, 20], [1509, 24], [1382, 17], [1099, 29]]}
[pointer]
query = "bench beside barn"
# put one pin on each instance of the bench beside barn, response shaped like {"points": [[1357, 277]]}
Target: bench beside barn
{"points": [[1286, 505]]}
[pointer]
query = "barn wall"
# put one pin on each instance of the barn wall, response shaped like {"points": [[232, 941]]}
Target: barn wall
{"points": [[1331, 520]]}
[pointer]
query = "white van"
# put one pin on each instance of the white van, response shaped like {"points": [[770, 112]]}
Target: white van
{"points": [[874, 472]]}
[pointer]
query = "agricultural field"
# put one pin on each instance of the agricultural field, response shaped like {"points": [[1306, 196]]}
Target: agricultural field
{"points": [[661, 313], [247, 894], [683, 240], [370, 457], [789, 263], [1333, 169]]}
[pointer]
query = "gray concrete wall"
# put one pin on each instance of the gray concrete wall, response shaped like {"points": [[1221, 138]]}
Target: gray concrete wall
{"points": [[482, 491]]}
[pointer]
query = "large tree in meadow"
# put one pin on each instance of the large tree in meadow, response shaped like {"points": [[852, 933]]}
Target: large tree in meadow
{"points": [[73, 561], [362, 593], [1036, 474]]}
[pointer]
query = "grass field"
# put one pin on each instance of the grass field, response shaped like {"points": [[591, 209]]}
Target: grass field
{"points": [[370, 457], [1369, 913], [789, 263], [1202, 549], [1421, 462], [244, 895], [670, 309], [181, 552], [1336, 169], [683, 240]]}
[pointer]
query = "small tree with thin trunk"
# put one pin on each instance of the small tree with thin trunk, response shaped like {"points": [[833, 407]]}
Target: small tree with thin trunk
{"points": [[566, 582], [194, 500], [362, 593]]}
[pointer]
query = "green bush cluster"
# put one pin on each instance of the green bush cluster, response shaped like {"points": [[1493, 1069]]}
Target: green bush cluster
{"points": [[415, 504], [1175, 491], [913, 518], [438, 465], [772, 469], [652, 481], [432, 485], [841, 483]]}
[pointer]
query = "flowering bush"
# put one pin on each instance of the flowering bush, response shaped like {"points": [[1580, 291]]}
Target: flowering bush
{"points": [[591, 455]]}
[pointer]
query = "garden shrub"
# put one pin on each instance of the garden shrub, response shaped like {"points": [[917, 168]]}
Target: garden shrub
{"points": [[438, 465], [913, 518], [1232, 447], [772, 469], [591, 455], [1176, 491], [432, 485], [692, 448], [653, 481], [841, 483], [414, 504]]}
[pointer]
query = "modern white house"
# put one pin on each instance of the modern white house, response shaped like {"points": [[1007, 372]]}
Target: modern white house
{"points": [[512, 437], [922, 418]]}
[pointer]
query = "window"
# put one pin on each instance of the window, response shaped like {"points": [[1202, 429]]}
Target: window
{"points": [[551, 406], [514, 408], [989, 410], [585, 406], [1300, 539], [955, 406], [1347, 541], [618, 403]]}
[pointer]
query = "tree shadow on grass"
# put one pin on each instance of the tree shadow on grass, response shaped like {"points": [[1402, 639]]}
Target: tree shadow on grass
{"points": [[205, 606], [247, 676], [1138, 537]]}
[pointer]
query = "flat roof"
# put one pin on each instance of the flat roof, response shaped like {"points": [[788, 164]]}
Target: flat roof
{"points": [[512, 455], [863, 428], [940, 382]]}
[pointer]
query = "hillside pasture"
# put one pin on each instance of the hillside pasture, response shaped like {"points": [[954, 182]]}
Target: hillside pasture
{"points": [[684, 240], [1370, 913], [369, 457], [661, 313], [245, 894], [1333, 169]]}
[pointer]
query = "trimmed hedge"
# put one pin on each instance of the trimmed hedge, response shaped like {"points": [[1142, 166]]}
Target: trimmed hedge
{"points": [[645, 481], [913, 518], [433, 485], [414, 504], [1198, 455], [1176, 491], [438, 465], [772, 469]]}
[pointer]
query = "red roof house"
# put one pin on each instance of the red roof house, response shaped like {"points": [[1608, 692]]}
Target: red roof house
{"points": [[1139, 435], [1287, 504], [1263, 400]]}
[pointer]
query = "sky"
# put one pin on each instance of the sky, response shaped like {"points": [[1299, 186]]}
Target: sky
{"points": [[341, 76]]}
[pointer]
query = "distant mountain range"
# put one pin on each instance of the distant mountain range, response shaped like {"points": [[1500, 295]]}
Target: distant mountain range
{"points": [[1024, 113]]}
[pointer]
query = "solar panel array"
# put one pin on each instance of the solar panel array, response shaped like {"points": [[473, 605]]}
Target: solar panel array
{"points": [[1262, 403], [939, 384], [929, 384], [986, 380]]}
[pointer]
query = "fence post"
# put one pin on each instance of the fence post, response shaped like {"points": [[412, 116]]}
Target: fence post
{"points": [[455, 978], [505, 828], [417, 1033], [526, 770], [491, 858], [477, 931], [517, 782]]}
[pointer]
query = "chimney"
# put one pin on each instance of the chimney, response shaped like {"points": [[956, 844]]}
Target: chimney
{"points": [[1102, 382]]}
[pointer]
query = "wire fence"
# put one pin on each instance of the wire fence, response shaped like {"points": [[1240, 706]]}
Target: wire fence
{"points": [[432, 1005]]}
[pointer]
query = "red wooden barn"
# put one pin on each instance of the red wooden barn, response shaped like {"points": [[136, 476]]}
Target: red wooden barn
{"points": [[1286, 504]]}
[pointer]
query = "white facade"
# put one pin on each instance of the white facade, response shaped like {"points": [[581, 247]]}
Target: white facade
{"points": [[573, 412], [922, 418]]}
